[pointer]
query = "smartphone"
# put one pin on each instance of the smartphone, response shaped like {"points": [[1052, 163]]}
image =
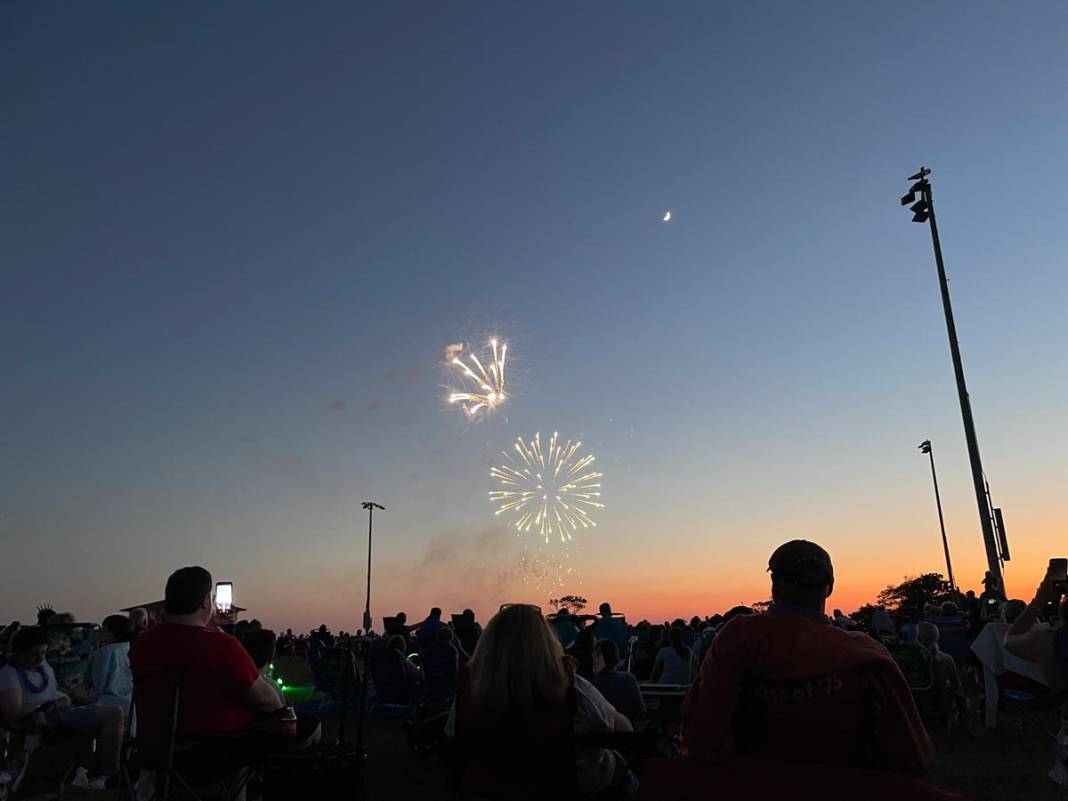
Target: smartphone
{"points": [[1058, 570], [224, 596]]}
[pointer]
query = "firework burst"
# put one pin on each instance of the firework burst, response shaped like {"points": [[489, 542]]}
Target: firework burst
{"points": [[550, 492], [485, 390]]}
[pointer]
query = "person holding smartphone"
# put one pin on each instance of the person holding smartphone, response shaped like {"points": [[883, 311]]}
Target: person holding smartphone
{"points": [[221, 694], [1048, 648]]}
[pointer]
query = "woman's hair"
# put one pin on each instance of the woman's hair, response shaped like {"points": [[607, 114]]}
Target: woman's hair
{"points": [[27, 638], [656, 635], [119, 626], [610, 652], [517, 663], [675, 638]]}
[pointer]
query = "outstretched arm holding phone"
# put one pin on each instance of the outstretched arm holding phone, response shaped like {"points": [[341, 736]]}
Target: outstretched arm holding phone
{"points": [[1040, 646]]}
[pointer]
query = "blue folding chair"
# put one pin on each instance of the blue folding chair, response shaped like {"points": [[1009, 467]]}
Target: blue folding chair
{"points": [[615, 629], [393, 693], [441, 669]]}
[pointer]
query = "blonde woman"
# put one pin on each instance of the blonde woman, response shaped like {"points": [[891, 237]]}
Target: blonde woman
{"points": [[519, 708]]}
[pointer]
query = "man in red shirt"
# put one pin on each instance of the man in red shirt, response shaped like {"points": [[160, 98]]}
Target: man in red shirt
{"points": [[788, 685], [219, 685]]}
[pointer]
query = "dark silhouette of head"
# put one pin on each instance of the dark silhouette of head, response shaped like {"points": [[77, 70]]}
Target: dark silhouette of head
{"points": [[188, 592], [801, 575], [119, 628], [435, 614], [606, 609], [610, 652], [260, 644], [468, 616]]}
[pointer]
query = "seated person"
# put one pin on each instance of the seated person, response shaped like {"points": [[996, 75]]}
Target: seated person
{"points": [[30, 698], [1047, 647], [430, 627], [793, 668], [109, 667], [945, 667], [619, 689], [516, 682], [139, 620], [565, 628], [468, 631], [411, 670], [611, 627], [674, 662], [221, 691], [260, 644]]}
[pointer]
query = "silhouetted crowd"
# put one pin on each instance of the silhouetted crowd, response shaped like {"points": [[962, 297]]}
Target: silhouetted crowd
{"points": [[559, 705]]}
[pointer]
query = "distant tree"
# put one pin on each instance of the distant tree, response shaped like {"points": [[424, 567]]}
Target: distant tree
{"points": [[906, 600], [573, 603]]}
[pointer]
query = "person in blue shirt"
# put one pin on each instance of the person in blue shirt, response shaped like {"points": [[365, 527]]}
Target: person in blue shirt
{"points": [[109, 667]]}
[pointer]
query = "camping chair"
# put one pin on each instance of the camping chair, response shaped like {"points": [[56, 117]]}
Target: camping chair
{"points": [[160, 753], [338, 679], [393, 696], [663, 703], [566, 630], [1025, 703], [831, 719], [915, 664], [615, 629], [441, 667], [515, 760], [953, 637], [15, 760]]}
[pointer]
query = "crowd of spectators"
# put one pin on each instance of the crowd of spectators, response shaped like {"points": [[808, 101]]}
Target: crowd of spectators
{"points": [[789, 683]]}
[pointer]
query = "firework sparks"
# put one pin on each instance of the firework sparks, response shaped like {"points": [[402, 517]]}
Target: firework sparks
{"points": [[486, 384], [545, 572], [551, 492]]}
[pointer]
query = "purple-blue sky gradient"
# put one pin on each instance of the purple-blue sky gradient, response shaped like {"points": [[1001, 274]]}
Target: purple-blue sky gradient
{"points": [[237, 236]]}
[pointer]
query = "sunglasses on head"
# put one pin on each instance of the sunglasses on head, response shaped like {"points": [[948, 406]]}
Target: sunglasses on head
{"points": [[532, 606]]}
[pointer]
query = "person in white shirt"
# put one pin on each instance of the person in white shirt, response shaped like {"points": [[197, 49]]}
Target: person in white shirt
{"points": [[109, 667], [28, 686], [674, 662]]}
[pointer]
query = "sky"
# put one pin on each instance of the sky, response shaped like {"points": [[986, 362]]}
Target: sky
{"points": [[238, 237]]}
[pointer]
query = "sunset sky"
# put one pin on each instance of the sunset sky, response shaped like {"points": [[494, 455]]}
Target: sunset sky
{"points": [[237, 238]]}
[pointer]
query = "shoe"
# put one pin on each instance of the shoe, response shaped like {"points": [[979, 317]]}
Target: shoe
{"points": [[81, 778]]}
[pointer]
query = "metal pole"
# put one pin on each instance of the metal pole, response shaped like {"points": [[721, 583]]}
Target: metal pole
{"points": [[367, 605], [993, 562], [941, 521]]}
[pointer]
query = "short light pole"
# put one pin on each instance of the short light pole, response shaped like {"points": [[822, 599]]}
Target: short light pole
{"points": [[925, 447], [923, 211]]}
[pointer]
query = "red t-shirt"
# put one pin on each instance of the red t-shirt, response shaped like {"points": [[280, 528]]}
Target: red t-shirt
{"points": [[212, 668], [787, 645]]}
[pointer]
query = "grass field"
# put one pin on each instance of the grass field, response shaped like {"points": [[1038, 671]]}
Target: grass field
{"points": [[1001, 766]]}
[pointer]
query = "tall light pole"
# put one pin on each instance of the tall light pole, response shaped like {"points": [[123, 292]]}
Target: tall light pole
{"points": [[370, 506], [925, 447], [923, 211]]}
